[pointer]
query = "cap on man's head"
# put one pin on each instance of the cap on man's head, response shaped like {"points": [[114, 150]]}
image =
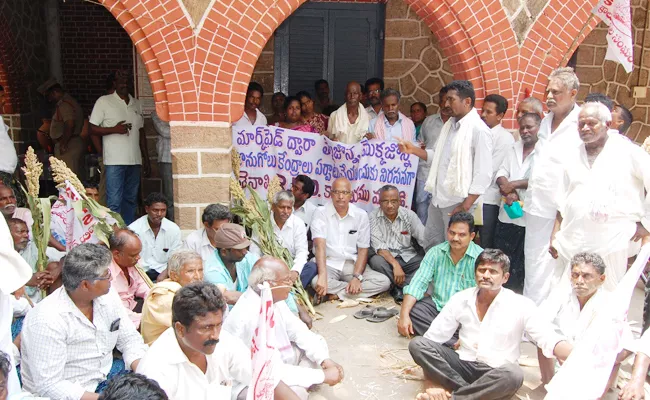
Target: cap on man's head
{"points": [[231, 236], [47, 85]]}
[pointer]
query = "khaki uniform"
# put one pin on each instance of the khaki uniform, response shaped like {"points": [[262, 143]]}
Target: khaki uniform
{"points": [[69, 109]]}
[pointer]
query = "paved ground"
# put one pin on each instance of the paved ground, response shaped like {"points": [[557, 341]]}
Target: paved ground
{"points": [[375, 356]]}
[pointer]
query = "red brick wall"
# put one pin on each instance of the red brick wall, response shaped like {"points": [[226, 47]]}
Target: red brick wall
{"points": [[93, 43]]}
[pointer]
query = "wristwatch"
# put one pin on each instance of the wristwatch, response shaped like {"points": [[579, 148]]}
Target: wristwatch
{"points": [[359, 277]]}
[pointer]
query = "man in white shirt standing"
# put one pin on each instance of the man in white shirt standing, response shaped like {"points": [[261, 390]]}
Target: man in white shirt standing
{"points": [[557, 133], [69, 337], [252, 115], [159, 236], [202, 240], [117, 118], [602, 198], [461, 164], [290, 231], [302, 189], [492, 320], [341, 233], [305, 357], [494, 109]]}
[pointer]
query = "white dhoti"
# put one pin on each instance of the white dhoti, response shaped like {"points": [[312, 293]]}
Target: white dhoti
{"points": [[539, 265]]}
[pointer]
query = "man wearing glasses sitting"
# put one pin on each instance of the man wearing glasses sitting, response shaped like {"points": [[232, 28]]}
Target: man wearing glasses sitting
{"points": [[341, 235]]}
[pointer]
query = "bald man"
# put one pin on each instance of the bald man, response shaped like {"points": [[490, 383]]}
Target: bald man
{"points": [[349, 124], [126, 246], [341, 235]]}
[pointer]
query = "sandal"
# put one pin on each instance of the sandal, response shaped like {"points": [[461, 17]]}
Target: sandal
{"points": [[365, 312], [382, 314]]}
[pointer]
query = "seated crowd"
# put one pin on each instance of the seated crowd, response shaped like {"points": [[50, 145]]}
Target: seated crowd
{"points": [[152, 313]]}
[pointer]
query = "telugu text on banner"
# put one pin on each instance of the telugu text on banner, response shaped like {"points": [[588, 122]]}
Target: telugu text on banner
{"points": [[616, 15]]}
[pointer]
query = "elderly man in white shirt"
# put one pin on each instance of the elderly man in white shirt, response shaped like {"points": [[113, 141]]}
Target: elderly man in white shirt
{"points": [[603, 200], [159, 236], [252, 115], [303, 188], [349, 124], [290, 231], [68, 338], [341, 234], [461, 164], [492, 321], [494, 109], [305, 356], [117, 118], [202, 240]]}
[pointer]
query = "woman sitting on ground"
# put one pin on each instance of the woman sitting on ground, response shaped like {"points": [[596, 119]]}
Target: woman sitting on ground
{"points": [[293, 119], [316, 120]]}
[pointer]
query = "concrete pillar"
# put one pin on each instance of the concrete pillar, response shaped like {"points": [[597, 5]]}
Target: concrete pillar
{"points": [[53, 38], [201, 168]]}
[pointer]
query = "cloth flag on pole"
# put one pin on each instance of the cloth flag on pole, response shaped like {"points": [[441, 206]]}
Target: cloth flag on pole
{"points": [[616, 14], [585, 373], [264, 352]]}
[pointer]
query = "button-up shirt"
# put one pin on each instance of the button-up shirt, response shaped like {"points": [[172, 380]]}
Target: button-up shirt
{"points": [[343, 235], [119, 149], [216, 272], [515, 168], [128, 291], [372, 114], [395, 236], [242, 322], [245, 122], [547, 174], [156, 249], [502, 141], [305, 212], [157, 310], [64, 354], [438, 269], [293, 237], [481, 159], [495, 340], [395, 131], [181, 379], [199, 242], [601, 204], [429, 134], [67, 109], [164, 140], [8, 156]]}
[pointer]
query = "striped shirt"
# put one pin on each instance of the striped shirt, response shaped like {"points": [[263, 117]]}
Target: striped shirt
{"points": [[449, 279], [396, 236]]}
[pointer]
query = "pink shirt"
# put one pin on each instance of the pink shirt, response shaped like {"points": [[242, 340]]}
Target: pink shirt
{"points": [[128, 293]]}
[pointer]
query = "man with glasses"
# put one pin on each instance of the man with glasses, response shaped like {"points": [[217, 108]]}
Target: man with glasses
{"points": [[374, 87], [68, 338], [392, 230], [341, 234]]}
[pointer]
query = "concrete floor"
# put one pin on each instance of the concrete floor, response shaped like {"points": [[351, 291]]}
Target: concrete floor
{"points": [[375, 356]]}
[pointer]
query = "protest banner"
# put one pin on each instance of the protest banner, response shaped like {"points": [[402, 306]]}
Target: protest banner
{"points": [[267, 151], [617, 16]]}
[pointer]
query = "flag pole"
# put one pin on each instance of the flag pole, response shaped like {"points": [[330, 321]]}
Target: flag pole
{"points": [[571, 49]]}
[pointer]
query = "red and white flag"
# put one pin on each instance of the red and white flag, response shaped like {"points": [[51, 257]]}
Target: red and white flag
{"points": [[264, 352], [616, 14], [585, 373]]}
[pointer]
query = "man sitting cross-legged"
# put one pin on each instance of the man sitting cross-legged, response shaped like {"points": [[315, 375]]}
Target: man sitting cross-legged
{"points": [[69, 337], [305, 356], [492, 320], [448, 268]]}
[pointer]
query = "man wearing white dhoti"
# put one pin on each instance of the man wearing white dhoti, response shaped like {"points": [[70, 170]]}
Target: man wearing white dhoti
{"points": [[557, 133], [601, 200]]}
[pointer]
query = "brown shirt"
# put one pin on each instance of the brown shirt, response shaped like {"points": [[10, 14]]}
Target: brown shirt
{"points": [[66, 109]]}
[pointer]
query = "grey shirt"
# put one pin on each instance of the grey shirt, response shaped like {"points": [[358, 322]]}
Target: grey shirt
{"points": [[396, 236]]}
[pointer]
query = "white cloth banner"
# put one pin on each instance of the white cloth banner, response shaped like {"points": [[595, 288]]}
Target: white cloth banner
{"points": [[585, 373], [267, 151], [71, 226], [616, 14]]}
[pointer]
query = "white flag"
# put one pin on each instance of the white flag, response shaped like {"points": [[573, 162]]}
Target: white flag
{"points": [[585, 373], [616, 14]]}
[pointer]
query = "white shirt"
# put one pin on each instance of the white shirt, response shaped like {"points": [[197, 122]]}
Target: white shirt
{"points": [[306, 212], [181, 379], [199, 242], [643, 343], [495, 340], [601, 204], [245, 122], [108, 111], [293, 237], [156, 250], [547, 174], [6, 343], [515, 168], [502, 141], [243, 320], [343, 235], [481, 148], [8, 156], [429, 134], [64, 354]]}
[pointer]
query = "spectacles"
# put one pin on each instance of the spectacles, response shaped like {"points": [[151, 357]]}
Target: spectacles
{"points": [[376, 91], [105, 278], [340, 192]]}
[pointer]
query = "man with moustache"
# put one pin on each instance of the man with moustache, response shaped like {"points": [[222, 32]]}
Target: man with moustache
{"points": [[252, 115], [349, 124], [10, 209], [390, 124], [492, 321], [374, 88]]}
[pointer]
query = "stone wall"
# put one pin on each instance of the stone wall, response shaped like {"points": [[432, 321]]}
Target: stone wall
{"points": [[599, 75]]}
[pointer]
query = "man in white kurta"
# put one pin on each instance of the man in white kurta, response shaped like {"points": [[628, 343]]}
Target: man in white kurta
{"points": [[601, 201], [558, 132]]}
